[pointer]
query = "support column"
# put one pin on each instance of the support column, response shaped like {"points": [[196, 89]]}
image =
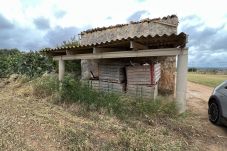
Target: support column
{"points": [[61, 69], [181, 82]]}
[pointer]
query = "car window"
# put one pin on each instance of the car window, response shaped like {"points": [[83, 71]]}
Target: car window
{"points": [[224, 84], [221, 86]]}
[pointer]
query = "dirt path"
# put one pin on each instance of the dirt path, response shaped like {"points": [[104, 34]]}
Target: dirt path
{"points": [[197, 99]]}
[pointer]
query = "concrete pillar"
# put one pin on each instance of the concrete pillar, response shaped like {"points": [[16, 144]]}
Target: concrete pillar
{"points": [[181, 82], [61, 69]]}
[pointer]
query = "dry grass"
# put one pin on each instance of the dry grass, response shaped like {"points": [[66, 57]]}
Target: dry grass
{"points": [[211, 80], [30, 123]]}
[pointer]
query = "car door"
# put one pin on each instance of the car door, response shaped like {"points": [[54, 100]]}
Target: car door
{"points": [[223, 98]]}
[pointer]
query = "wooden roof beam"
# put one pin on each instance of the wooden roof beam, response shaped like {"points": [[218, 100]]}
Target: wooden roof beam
{"points": [[102, 50], [137, 46], [124, 54], [74, 52]]}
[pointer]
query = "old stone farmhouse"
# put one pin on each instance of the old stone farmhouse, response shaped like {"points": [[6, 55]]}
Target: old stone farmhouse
{"points": [[138, 58]]}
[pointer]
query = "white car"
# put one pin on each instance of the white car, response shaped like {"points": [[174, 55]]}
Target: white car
{"points": [[217, 104]]}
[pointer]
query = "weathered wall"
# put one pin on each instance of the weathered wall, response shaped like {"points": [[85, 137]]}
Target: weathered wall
{"points": [[86, 67], [166, 84], [92, 65], [130, 30], [168, 64], [168, 70]]}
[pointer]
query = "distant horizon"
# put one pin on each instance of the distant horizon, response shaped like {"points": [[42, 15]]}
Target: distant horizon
{"points": [[208, 67]]}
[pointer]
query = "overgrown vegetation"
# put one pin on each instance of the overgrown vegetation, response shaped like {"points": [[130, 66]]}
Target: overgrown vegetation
{"points": [[45, 86], [63, 127], [211, 80], [138, 121], [125, 108], [73, 91], [88, 120], [32, 64]]}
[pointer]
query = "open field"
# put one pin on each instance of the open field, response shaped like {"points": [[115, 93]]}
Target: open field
{"points": [[31, 123], [206, 79]]}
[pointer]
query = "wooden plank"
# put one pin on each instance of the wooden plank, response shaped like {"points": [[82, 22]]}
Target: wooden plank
{"points": [[137, 46], [142, 91], [149, 74], [112, 87], [72, 52], [100, 50], [105, 86], [124, 54], [112, 72]]}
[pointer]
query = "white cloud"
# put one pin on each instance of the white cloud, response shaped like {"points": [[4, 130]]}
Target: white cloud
{"points": [[94, 13], [75, 15]]}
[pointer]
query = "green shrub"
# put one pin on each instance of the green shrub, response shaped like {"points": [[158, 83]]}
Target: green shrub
{"points": [[45, 86], [119, 105], [34, 64], [31, 64], [5, 61], [73, 91]]}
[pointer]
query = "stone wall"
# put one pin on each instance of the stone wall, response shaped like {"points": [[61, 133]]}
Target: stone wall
{"points": [[168, 74], [88, 66], [131, 30]]}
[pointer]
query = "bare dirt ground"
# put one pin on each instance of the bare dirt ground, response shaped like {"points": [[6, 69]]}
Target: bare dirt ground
{"points": [[197, 99], [28, 123]]}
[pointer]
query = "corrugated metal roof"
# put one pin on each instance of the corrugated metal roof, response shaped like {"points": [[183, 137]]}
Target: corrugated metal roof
{"points": [[132, 22], [170, 41]]}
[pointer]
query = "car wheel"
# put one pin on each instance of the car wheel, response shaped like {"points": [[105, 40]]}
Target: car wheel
{"points": [[214, 113]]}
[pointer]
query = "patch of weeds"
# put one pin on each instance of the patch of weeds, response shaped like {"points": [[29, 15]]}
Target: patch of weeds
{"points": [[23, 79], [116, 104], [165, 131], [45, 86], [72, 91], [77, 140], [183, 116], [140, 139]]}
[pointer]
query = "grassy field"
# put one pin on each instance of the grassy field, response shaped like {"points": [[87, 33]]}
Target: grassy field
{"points": [[29, 122], [206, 79]]}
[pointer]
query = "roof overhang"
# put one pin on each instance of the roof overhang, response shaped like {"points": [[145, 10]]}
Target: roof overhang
{"points": [[125, 54], [124, 45]]}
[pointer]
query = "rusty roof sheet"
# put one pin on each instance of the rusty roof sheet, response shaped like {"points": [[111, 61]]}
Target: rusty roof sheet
{"points": [[170, 41], [132, 22]]}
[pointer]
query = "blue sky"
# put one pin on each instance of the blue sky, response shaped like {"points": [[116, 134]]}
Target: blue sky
{"points": [[35, 24]]}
